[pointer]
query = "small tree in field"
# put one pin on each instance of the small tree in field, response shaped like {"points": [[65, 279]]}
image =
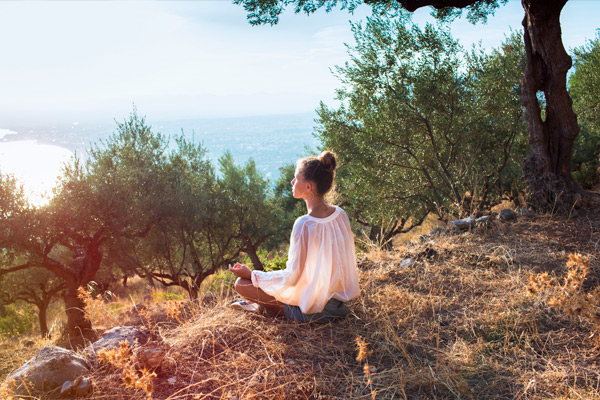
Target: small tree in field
{"points": [[21, 275], [195, 234], [252, 213], [35, 286]]}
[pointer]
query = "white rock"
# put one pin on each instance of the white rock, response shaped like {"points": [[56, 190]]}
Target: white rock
{"points": [[463, 224], [111, 339]]}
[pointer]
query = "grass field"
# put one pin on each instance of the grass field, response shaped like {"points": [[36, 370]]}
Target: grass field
{"points": [[461, 323]]}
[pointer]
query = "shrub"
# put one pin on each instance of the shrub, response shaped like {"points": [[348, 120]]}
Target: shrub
{"points": [[17, 321]]}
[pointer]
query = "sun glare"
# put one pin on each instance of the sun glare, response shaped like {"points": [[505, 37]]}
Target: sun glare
{"points": [[35, 165]]}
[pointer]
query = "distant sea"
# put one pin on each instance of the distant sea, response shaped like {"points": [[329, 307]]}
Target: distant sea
{"points": [[33, 153]]}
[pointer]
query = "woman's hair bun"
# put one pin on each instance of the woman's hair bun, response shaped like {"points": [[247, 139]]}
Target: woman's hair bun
{"points": [[327, 160]]}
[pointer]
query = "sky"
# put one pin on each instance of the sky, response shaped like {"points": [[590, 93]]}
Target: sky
{"points": [[72, 62], [89, 61]]}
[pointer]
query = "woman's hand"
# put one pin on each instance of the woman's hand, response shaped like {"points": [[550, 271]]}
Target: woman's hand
{"points": [[241, 271]]}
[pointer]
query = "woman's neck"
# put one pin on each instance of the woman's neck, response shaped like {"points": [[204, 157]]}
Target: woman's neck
{"points": [[317, 207]]}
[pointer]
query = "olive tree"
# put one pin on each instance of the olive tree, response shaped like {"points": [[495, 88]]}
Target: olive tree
{"points": [[253, 215], [195, 234], [21, 276], [552, 126], [111, 196], [423, 127], [584, 87]]}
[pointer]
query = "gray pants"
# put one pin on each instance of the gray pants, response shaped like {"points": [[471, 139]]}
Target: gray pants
{"points": [[334, 309]]}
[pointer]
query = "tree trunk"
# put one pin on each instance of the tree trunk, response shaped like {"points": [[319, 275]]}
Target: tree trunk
{"points": [[84, 269], [380, 237], [42, 318], [251, 251], [552, 132], [78, 326]]}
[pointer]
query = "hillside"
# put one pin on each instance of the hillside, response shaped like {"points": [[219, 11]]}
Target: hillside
{"points": [[457, 323]]}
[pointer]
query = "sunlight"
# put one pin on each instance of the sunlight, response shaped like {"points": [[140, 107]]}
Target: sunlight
{"points": [[35, 165]]}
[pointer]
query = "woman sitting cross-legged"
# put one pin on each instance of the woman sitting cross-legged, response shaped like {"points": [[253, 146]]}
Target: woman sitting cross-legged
{"points": [[320, 275]]}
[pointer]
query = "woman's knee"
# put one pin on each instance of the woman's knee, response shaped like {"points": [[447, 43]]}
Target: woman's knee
{"points": [[241, 285]]}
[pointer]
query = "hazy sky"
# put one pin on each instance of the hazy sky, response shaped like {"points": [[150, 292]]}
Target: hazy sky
{"points": [[78, 61]]}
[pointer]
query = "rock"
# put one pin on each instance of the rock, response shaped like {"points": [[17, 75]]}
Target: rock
{"points": [[111, 339], [525, 212], [150, 356], [463, 224], [507, 215], [48, 370], [407, 262]]}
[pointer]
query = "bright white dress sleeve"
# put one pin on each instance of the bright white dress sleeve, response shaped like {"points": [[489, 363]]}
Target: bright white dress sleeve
{"points": [[321, 265]]}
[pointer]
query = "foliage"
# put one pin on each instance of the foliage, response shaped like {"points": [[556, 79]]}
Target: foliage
{"points": [[140, 204], [167, 296], [15, 321], [271, 260], [285, 205], [585, 91], [252, 214], [135, 206], [35, 286], [268, 12], [15, 214], [499, 118], [19, 231], [417, 112], [192, 235]]}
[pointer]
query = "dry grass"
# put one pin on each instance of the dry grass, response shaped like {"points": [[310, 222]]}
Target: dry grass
{"points": [[459, 323]]}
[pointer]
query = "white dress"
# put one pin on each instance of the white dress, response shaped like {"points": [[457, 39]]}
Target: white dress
{"points": [[321, 265]]}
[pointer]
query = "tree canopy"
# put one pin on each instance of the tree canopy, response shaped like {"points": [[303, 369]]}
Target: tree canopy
{"points": [[268, 12], [417, 111], [584, 86]]}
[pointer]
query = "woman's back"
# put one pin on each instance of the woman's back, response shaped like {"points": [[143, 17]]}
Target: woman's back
{"points": [[321, 264]]}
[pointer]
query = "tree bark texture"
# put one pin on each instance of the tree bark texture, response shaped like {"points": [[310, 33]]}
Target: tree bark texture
{"points": [[78, 326], [251, 250], [81, 272], [42, 318], [552, 132]]}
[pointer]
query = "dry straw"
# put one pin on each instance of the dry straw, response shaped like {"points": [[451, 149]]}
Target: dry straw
{"points": [[459, 322]]}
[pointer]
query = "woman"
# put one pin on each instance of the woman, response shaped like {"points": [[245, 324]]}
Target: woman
{"points": [[320, 274]]}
